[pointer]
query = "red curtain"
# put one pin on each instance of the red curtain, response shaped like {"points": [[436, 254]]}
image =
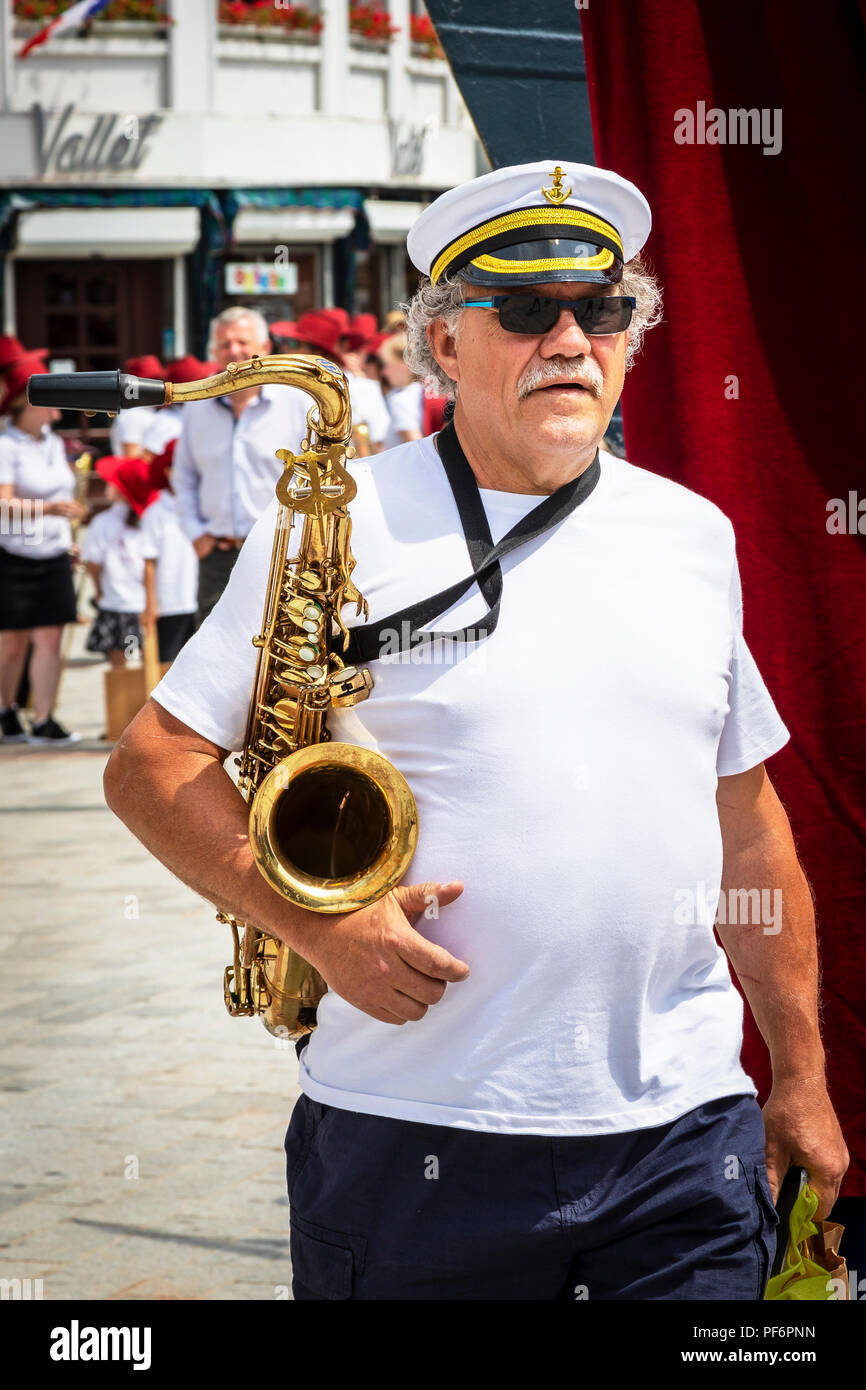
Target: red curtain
{"points": [[752, 394]]}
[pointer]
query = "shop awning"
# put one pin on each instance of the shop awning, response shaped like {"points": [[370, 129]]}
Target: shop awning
{"points": [[390, 221], [108, 231], [274, 225]]}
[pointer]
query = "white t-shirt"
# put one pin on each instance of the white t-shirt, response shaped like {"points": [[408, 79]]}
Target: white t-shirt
{"points": [[165, 426], [130, 426], [121, 550], [37, 469], [368, 406], [177, 562], [406, 408], [565, 769]]}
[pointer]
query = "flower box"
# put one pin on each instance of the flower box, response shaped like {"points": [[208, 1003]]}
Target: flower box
{"points": [[372, 26], [262, 19], [253, 33], [130, 16]]}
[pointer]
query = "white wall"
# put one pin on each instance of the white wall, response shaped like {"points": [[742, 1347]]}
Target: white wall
{"points": [[240, 110]]}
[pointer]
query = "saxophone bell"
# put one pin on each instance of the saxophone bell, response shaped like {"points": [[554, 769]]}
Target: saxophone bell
{"points": [[333, 827]]}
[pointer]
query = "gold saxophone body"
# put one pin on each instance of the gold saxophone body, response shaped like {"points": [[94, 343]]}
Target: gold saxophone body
{"points": [[333, 827]]}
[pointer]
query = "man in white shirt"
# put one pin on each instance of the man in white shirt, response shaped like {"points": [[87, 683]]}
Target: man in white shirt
{"points": [[225, 468], [525, 1079]]}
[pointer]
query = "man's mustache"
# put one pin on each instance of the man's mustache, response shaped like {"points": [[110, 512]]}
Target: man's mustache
{"points": [[587, 374]]}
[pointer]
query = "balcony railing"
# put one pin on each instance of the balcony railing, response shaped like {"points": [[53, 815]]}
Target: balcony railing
{"points": [[280, 61]]}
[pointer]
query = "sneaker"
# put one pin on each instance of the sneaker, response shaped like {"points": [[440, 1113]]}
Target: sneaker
{"points": [[50, 731], [11, 727]]}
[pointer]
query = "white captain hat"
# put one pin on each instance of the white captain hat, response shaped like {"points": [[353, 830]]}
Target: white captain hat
{"points": [[553, 220]]}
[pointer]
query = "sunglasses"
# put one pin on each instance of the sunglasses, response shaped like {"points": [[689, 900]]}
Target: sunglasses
{"points": [[530, 313]]}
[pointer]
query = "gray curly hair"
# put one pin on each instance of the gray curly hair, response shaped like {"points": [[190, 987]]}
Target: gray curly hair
{"points": [[446, 300]]}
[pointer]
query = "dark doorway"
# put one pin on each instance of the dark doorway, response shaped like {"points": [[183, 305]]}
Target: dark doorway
{"points": [[95, 313]]}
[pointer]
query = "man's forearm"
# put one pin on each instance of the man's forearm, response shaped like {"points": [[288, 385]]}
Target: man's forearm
{"points": [[776, 959], [176, 797]]}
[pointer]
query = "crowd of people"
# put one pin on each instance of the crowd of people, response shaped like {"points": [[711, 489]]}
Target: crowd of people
{"points": [[184, 486]]}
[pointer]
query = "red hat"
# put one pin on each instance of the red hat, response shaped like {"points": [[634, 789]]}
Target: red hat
{"points": [[130, 476], [148, 367], [158, 467], [360, 330], [317, 328], [373, 345], [11, 349], [340, 317], [14, 381], [188, 368]]}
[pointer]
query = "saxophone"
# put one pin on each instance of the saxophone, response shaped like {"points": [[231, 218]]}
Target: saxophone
{"points": [[333, 827]]}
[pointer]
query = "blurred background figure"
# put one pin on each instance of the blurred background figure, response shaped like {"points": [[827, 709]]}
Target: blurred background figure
{"points": [[171, 579], [405, 400], [129, 426], [369, 411], [353, 344], [224, 469], [164, 427], [322, 332], [371, 359], [37, 594], [115, 552]]}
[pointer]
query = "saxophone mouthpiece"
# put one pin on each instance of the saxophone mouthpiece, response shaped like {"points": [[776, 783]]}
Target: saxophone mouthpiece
{"points": [[94, 391]]}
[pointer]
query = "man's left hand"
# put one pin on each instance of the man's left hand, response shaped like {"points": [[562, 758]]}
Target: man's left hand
{"points": [[801, 1128]]}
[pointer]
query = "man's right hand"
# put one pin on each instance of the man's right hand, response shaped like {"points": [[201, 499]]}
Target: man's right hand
{"points": [[376, 960], [204, 544]]}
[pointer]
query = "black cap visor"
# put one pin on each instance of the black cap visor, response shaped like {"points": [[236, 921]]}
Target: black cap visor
{"points": [[544, 260]]}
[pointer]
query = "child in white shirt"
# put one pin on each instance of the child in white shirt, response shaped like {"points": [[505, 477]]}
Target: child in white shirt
{"points": [[115, 552]]}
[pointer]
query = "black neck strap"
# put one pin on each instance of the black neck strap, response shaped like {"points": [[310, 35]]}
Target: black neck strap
{"points": [[366, 642]]}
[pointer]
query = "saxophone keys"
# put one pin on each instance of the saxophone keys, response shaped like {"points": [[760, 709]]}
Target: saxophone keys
{"points": [[284, 713], [305, 613], [349, 686], [302, 649]]}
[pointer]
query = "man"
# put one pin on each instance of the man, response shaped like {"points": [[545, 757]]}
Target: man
{"points": [[525, 1082], [225, 467]]}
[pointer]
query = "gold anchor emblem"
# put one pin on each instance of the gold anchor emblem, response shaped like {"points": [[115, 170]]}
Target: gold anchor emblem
{"points": [[556, 194]]}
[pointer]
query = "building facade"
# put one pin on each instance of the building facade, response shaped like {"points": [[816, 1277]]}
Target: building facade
{"points": [[153, 172]]}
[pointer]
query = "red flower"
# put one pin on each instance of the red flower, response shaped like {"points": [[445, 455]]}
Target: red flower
{"points": [[422, 32], [371, 23]]}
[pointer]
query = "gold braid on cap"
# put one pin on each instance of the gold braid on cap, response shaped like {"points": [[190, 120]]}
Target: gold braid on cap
{"points": [[526, 217]]}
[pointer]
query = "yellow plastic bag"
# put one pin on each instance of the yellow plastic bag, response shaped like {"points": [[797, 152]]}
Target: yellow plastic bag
{"points": [[813, 1269]]}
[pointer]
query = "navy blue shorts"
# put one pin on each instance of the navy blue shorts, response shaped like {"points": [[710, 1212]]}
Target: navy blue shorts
{"points": [[390, 1209]]}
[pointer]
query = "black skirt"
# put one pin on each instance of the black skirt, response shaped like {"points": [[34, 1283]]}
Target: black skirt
{"points": [[115, 632], [35, 592]]}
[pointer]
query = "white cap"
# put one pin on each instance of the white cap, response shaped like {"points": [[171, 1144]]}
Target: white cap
{"points": [[558, 221]]}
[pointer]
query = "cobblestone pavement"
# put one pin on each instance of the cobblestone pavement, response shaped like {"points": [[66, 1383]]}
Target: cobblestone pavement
{"points": [[142, 1127]]}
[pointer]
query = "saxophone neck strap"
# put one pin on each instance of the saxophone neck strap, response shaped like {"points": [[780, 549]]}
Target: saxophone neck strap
{"points": [[401, 629]]}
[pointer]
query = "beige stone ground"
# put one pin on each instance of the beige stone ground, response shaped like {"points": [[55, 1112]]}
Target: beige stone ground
{"points": [[142, 1127]]}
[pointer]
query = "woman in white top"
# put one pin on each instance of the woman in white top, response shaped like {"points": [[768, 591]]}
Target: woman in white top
{"points": [[37, 595], [405, 400]]}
